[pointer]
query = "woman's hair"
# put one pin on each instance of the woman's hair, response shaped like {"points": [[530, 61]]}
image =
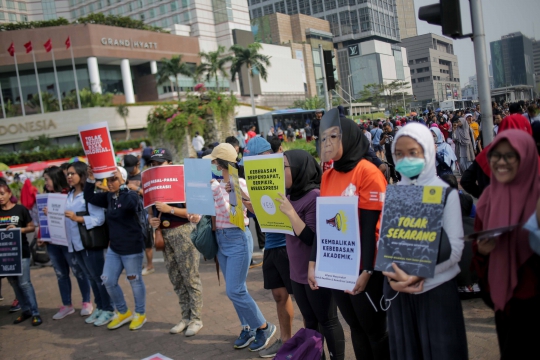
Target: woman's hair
{"points": [[65, 166], [225, 164], [4, 185], [81, 169], [58, 178]]}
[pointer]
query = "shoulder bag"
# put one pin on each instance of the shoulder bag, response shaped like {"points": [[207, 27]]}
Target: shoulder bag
{"points": [[96, 238]]}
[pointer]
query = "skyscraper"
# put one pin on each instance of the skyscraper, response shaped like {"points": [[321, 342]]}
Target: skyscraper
{"points": [[512, 60], [406, 18]]}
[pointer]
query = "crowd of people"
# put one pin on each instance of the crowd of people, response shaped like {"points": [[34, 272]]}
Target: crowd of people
{"points": [[391, 315]]}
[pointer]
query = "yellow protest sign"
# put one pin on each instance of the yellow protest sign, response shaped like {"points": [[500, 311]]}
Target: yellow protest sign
{"points": [[236, 213], [265, 177]]}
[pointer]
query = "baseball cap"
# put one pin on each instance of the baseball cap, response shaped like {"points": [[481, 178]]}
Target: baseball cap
{"points": [[467, 115], [161, 155], [123, 172], [257, 146], [130, 161], [223, 151]]}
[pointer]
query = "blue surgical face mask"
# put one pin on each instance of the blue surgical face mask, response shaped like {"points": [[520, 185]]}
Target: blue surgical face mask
{"points": [[215, 170], [410, 167]]}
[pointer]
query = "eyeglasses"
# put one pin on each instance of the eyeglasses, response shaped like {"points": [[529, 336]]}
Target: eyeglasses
{"points": [[333, 138], [69, 174], [509, 158]]}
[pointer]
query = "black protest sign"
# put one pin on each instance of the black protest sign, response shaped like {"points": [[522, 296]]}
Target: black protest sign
{"points": [[10, 252], [411, 229]]}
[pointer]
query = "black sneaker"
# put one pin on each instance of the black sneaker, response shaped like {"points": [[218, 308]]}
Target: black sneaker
{"points": [[15, 306], [24, 316], [36, 320]]}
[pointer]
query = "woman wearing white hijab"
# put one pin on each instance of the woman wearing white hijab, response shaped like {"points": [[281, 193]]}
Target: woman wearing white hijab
{"points": [[444, 153], [422, 311]]}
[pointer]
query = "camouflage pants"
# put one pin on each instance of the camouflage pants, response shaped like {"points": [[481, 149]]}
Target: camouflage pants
{"points": [[182, 262]]}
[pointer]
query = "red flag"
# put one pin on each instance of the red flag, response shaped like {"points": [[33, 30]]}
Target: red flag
{"points": [[68, 43], [48, 45], [11, 49], [28, 46]]}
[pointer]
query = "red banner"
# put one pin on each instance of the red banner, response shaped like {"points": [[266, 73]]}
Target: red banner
{"points": [[163, 183], [68, 43], [28, 46], [97, 145], [11, 49], [48, 45]]}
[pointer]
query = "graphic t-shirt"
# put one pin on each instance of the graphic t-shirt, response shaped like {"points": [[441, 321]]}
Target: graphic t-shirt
{"points": [[20, 217], [365, 181]]}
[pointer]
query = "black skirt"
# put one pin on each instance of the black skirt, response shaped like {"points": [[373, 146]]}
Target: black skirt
{"points": [[428, 326]]}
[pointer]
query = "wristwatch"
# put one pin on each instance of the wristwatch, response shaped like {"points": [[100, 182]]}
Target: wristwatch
{"points": [[370, 272], [172, 210]]}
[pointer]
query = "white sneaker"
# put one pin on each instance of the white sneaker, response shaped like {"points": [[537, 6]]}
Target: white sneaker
{"points": [[180, 327], [147, 271], [63, 312], [194, 327], [92, 318], [87, 309]]}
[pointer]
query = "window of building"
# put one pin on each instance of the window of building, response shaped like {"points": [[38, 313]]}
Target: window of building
{"points": [[413, 81], [334, 24], [421, 70], [365, 19], [424, 79], [412, 71], [342, 3], [187, 17], [152, 13], [174, 6], [345, 23], [304, 7], [255, 2], [2, 15], [162, 9], [256, 13], [353, 2], [422, 60], [10, 5], [222, 11], [280, 7], [355, 26], [329, 4], [141, 16], [22, 6], [12, 17], [317, 6], [185, 3], [268, 9], [292, 7]]}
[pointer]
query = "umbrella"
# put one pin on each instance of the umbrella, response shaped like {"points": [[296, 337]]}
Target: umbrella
{"points": [[4, 167], [37, 166], [77, 159], [413, 113], [425, 111], [438, 109]]}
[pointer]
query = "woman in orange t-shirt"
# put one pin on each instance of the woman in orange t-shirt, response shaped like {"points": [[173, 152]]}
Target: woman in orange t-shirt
{"points": [[354, 175]]}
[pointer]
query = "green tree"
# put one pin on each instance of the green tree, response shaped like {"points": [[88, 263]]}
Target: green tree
{"points": [[90, 99], [392, 90], [250, 58], [214, 64], [372, 93], [36, 143], [311, 103], [11, 109], [50, 102], [123, 111], [173, 67]]}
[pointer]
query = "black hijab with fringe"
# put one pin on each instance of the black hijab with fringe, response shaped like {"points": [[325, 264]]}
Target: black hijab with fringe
{"points": [[306, 173]]}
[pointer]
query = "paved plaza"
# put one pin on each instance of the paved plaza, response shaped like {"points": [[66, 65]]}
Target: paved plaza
{"points": [[71, 338]]}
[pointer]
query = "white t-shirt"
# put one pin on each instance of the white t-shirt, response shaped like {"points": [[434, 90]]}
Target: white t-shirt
{"points": [[198, 143]]}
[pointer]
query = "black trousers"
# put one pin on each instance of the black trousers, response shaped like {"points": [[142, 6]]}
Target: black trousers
{"points": [[366, 319], [261, 237], [320, 313], [428, 326]]}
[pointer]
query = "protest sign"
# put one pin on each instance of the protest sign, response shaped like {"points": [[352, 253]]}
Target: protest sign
{"points": [[56, 220], [338, 242], [164, 184], [265, 177], [10, 252], [411, 229], [236, 213], [199, 197], [97, 145], [41, 200]]}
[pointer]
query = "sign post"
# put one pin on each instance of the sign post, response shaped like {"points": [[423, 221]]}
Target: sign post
{"points": [[97, 145], [10, 252], [164, 184], [199, 197]]}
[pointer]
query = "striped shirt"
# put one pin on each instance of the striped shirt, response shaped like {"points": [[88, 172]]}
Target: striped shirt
{"points": [[221, 201]]}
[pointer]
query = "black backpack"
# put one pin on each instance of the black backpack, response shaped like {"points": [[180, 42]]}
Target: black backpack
{"points": [[442, 167]]}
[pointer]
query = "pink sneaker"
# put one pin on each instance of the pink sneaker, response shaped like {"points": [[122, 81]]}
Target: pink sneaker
{"points": [[87, 309], [63, 312]]}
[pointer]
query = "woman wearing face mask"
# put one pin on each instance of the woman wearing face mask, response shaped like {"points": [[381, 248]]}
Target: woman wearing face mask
{"points": [[234, 254], [353, 175], [302, 180], [90, 261], [17, 216], [180, 255], [62, 259], [507, 266], [126, 246], [422, 310], [446, 159]]}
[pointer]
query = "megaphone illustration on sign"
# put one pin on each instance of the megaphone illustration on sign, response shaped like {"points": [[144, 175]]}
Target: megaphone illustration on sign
{"points": [[339, 222]]}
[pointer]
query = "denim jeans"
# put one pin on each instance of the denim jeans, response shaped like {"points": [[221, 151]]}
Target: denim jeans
{"points": [[114, 264], [234, 255], [62, 261], [92, 263], [24, 291]]}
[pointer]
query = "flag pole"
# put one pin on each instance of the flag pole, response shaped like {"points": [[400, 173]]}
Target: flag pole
{"points": [[75, 74], [56, 78], [2, 102], [37, 81], [19, 83]]}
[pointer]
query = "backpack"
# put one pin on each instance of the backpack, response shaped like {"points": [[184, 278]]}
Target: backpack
{"points": [[204, 239], [306, 344], [442, 167]]}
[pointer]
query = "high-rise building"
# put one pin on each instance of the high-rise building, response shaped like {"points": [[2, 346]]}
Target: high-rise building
{"points": [[434, 67], [512, 59], [536, 61], [406, 18]]}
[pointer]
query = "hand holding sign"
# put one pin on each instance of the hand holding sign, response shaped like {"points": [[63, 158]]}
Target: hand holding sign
{"points": [[402, 282]]}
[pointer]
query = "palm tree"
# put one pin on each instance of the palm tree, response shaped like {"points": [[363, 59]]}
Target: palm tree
{"points": [[123, 111], [251, 58], [172, 67], [50, 102], [214, 64]]}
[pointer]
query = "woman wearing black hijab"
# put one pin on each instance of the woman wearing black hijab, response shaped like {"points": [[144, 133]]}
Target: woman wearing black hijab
{"points": [[354, 175], [302, 180]]}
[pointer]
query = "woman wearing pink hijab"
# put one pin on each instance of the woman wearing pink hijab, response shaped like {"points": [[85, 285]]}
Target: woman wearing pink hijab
{"points": [[507, 266]]}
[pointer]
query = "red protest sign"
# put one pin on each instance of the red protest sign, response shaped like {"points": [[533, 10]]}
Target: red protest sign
{"points": [[163, 183], [97, 145]]}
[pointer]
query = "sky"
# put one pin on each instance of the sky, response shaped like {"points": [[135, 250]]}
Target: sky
{"points": [[501, 17]]}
